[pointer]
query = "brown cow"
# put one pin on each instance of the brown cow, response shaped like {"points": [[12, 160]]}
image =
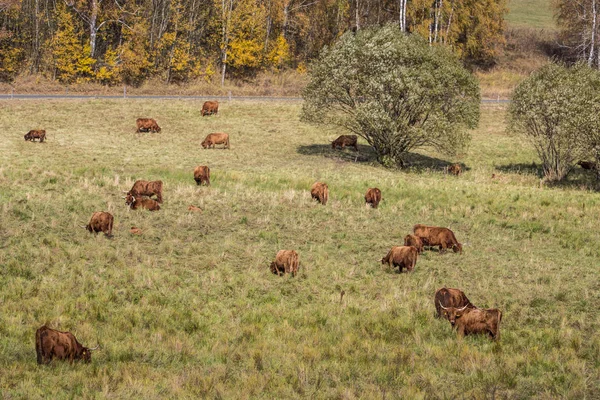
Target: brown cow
{"points": [[449, 297], [216, 138], [345, 140], [401, 257], [50, 343], [285, 261], [101, 222], [587, 164], [373, 197], [436, 236], [210, 107], [320, 192], [470, 320], [147, 125], [147, 188], [194, 208], [135, 202], [202, 175], [39, 134], [415, 241], [135, 231], [454, 169]]}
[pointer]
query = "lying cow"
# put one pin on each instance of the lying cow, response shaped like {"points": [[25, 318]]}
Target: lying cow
{"points": [[454, 169], [147, 188], [449, 297], [345, 140], [210, 107], [470, 320], [50, 344], [401, 257], [202, 175], [320, 191], [101, 221], [147, 125], [216, 138], [415, 241], [286, 261], [135, 202], [587, 164], [373, 197], [39, 134], [436, 236]]}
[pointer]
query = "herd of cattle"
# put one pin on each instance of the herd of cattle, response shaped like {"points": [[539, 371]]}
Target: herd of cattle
{"points": [[451, 304]]}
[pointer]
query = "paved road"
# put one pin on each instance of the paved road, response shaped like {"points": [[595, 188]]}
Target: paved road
{"points": [[134, 97]]}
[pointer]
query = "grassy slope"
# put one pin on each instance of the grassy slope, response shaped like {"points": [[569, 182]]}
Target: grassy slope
{"points": [[530, 14], [190, 309]]}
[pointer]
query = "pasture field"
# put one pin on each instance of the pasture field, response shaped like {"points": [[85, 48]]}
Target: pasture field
{"points": [[531, 14], [189, 308]]}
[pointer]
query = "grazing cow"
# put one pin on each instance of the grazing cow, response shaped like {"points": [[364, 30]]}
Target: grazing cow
{"points": [[448, 297], [50, 343], [373, 197], [210, 107], [320, 192], [194, 208], [147, 125], [471, 320], [415, 241], [135, 231], [202, 175], [454, 169], [285, 261], [101, 222], [216, 138], [147, 188], [39, 134], [587, 164], [401, 257], [345, 140], [135, 202], [436, 236]]}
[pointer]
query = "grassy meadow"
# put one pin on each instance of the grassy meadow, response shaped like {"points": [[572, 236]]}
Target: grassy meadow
{"points": [[189, 308], [530, 13]]}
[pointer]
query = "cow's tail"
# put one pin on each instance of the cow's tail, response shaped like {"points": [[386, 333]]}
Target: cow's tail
{"points": [[38, 344], [110, 226], [325, 195], [228, 141]]}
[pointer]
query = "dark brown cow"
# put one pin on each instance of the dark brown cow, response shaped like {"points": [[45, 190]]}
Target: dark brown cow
{"points": [[39, 134], [454, 169], [286, 261], [401, 257], [147, 188], [470, 320], [415, 241], [202, 175], [50, 344], [101, 221], [587, 164], [135, 202], [345, 140], [436, 236], [373, 197], [320, 192], [449, 297], [210, 107], [147, 125], [216, 138]]}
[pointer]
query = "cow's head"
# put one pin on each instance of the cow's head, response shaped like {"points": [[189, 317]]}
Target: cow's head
{"points": [[457, 248], [205, 143], [157, 128], [84, 353], [129, 199], [453, 313]]}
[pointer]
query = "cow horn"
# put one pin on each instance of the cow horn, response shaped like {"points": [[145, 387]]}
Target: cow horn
{"points": [[94, 348], [83, 226], [442, 305], [462, 309]]}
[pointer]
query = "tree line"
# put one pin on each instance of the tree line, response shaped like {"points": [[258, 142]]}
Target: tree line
{"points": [[129, 41]]}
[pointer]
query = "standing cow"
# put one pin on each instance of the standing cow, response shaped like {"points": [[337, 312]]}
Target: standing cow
{"points": [[39, 134], [412, 240], [469, 320], [286, 261], [345, 140], [437, 236], [147, 188], [449, 297], [135, 202], [454, 169], [320, 191], [401, 257], [216, 138], [373, 197], [147, 125], [50, 344], [101, 221], [210, 107], [202, 175]]}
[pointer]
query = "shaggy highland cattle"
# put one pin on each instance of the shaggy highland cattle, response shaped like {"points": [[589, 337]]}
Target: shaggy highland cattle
{"points": [[101, 221], [147, 188], [320, 191], [449, 297], [470, 320], [415, 241], [401, 257], [39, 134], [454, 169], [587, 164], [135, 202], [345, 140], [216, 138], [209, 108], [286, 261], [436, 236], [373, 197], [202, 175], [147, 125], [52, 344]]}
